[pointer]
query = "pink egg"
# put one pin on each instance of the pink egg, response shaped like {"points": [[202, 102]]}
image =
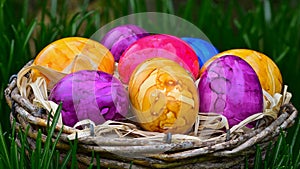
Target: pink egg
{"points": [[161, 45]]}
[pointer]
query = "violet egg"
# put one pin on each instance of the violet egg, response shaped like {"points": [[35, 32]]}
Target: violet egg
{"points": [[229, 86], [90, 94], [118, 39], [267, 71]]}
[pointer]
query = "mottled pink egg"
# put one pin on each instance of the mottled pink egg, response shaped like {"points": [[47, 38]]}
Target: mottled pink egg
{"points": [[229, 86], [118, 39], [161, 45]]}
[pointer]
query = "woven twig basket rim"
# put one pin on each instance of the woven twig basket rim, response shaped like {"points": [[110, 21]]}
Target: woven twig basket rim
{"points": [[187, 153]]}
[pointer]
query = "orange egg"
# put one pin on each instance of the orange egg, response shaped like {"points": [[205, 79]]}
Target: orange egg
{"points": [[267, 71], [163, 96], [73, 54]]}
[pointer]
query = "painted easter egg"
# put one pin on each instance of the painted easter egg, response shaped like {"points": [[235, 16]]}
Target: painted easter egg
{"points": [[90, 94], [163, 96], [203, 49], [229, 86], [268, 73], [118, 39], [161, 45], [73, 54]]}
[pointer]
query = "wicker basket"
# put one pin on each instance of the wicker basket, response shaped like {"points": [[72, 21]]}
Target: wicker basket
{"points": [[156, 151]]}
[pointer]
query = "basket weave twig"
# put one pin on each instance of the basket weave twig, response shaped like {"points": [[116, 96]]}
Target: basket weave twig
{"points": [[121, 145]]}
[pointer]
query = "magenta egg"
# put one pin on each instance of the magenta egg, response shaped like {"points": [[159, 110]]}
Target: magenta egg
{"points": [[118, 39], [90, 94], [160, 45], [230, 86]]}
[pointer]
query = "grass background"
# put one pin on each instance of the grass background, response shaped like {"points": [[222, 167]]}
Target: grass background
{"points": [[271, 27]]}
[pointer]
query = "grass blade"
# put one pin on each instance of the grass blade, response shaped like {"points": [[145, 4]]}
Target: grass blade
{"points": [[74, 150], [11, 55], [14, 155], [295, 136], [131, 163], [24, 147], [66, 159], [14, 151], [92, 160], [28, 35], [246, 162], [282, 55], [56, 159], [133, 5], [80, 21], [53, 8], [258, 158], [25, 9], [247, 40], [2, 2], [204, 11], [267, 12], [98, 161], [4, 152], [297, 161], [36, 154], [187, 9], [169, 7], [268, 154], [283, 161], [47, 146], [54, 147], [276, 151]]}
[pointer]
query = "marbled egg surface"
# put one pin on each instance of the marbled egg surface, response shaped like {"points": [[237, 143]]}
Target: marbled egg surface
{"points": [[203, 49], [229, 86], [267, 71], [161, 45], [61, 54], [163, 96], [90, 94], [118, 39]]}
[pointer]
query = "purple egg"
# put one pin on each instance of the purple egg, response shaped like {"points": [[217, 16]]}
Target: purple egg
{"points": [[229, 86], [90, 94], [118, 39]]}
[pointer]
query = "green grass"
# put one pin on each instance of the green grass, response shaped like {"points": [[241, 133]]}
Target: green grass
{"points": [[45, 155], [271, 27]]}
